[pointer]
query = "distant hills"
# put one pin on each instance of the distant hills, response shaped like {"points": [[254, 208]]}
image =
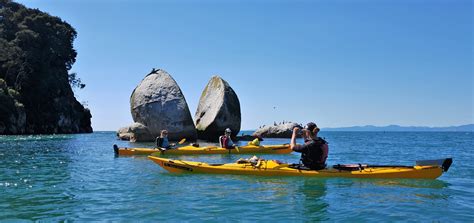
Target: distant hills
{"points": [[397, 128]]}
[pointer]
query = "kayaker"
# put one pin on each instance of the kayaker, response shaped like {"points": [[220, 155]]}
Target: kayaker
{"points": [[162, 140], [225, 140], [314, 151], [256, 141]]}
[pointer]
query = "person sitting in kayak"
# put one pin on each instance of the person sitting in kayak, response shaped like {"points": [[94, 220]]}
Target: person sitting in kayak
{"points": [[162, 141], [225, 140], [314, 151], [256, 141]]}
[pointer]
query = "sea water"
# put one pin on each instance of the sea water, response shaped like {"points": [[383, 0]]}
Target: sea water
{"points": [[77, 177]]}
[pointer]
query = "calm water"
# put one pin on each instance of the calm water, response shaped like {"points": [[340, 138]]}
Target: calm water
{"points": [[77, 177]]}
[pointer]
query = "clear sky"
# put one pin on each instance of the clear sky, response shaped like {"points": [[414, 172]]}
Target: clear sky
{"points": [[338, 63]]}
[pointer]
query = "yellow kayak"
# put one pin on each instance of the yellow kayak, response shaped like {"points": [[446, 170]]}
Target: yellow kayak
{"points": [[430, 169], [190, 150]]}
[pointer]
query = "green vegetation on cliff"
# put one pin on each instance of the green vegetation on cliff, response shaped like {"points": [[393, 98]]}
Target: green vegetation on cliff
{"points": [[36, 54]]}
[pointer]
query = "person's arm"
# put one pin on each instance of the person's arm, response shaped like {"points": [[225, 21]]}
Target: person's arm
{"points": [[231, 143], [221, 141], [295, 147]]}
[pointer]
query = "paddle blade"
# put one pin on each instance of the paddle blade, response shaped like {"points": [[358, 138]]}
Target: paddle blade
{"points": [[182, 141]]}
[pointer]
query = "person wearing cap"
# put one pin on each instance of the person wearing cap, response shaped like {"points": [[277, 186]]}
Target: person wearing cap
{"points": [[256, 141], [225, 140], [314, 151], [162, 140]]}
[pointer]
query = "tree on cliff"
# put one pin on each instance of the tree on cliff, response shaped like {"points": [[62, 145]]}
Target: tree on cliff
{"points": [[36, 54]]}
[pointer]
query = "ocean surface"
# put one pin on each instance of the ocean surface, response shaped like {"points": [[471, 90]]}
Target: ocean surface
{"points": [[77, 177]]}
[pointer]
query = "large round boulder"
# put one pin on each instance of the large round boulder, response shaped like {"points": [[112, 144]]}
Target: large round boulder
{"points": [[158, 103], [218, 109], [277, 131]]}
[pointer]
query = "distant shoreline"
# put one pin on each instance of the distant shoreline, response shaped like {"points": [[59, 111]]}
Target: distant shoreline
{"points": [[398, 128]]}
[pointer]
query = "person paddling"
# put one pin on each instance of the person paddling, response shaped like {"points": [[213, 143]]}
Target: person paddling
{"points": [[225, 140], [256, 141], [162, 141], [314, 151]]}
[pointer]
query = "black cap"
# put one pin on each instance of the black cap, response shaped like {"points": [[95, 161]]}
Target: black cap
{"points": [[311, 126]]}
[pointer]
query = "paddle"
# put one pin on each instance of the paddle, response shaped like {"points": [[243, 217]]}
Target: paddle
{"points": [[182, 141], [234, 147], [179, 143]]}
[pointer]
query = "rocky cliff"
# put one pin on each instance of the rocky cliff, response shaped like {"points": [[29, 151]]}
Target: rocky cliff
{"points": [[36, 54]]}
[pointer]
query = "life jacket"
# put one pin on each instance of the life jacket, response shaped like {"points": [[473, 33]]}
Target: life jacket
{"points": [[162, 143], [315, 155], [255, 142], [224, 141], [159, 142]]}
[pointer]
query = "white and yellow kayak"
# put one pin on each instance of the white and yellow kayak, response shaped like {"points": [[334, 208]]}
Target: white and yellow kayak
{"points": [[430, 169], [190, 150]]}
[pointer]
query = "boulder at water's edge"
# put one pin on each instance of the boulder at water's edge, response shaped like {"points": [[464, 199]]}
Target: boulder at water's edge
{"points": [[218, 109], [277, 131], [136, 132], [157, 103]]}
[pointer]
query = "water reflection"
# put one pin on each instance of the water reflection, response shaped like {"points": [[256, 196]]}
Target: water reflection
{"points": [[306, 198], [408, 183], [387, 193], [314, 203]]}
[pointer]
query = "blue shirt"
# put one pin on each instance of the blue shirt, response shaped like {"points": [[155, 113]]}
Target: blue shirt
{"points": [[166, 143]]}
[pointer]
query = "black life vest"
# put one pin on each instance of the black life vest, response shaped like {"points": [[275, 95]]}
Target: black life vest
{"points": [[159, 142], [312, 156]]}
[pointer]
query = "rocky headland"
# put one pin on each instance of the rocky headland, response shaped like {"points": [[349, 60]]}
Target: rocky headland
{"points": [[36, 55]]}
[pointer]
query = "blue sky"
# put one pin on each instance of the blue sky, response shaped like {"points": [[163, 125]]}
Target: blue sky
{"points": [[338, 63]]}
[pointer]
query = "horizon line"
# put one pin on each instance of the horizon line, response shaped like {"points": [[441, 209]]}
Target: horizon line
{"points": [[368, 125]]}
